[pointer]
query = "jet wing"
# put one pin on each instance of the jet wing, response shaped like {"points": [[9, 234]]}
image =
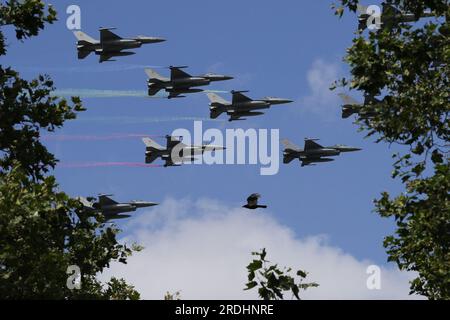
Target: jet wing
{"points": [[83, 54], [106, 57], [104, 200], [238, 97], [177, 73], [176, 94], [310, 144], [170, 163], [151, 157], [117, 217], [106, 35]]}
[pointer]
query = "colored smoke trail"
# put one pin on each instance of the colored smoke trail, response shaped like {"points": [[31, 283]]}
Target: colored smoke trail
{"points": [[100, 93], [144, 120], [68, 165], [88, 69], [97, 137], [94, 93]]}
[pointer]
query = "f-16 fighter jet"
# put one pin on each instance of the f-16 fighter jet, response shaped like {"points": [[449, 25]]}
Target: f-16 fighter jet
{"points": [[180, 82], [351, 106], [111, 209], [110, 44], [390, 16], [313, 152], [252, 202], [241, 105], [175, 152]]}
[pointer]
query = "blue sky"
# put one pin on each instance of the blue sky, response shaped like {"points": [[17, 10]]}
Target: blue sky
{"points": [[270, 47]]}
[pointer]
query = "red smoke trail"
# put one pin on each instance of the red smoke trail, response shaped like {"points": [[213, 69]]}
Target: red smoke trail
{"points": [[108, 164], [95, 138]]}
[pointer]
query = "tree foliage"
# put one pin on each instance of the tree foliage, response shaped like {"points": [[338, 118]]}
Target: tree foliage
{"points": [[406, 66], [272, 281], [44, 231], [26, 108]]}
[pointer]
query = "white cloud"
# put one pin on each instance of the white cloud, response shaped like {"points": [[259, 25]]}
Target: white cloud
{"points": [[203, 247], [321, 100]]}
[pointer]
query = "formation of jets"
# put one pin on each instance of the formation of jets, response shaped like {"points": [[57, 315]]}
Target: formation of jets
{"points": [[111, 209], [175, 153]]}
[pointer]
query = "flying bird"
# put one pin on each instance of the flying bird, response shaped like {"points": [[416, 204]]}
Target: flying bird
{"points": [[252, 202]]}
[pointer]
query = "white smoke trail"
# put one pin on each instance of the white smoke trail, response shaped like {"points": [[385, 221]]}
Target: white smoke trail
{"points": [[94, 93]]}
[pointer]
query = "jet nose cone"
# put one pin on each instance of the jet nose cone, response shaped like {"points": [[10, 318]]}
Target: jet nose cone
{"points": [[151, 39], [280, 101], [218, 77], [157, 40], [273, 100], [350, 149]]}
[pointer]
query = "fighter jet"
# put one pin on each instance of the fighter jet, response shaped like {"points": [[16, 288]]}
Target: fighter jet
{"points": [[351, 106], [252, 202], [390, 16], [110, 44], [180, 82], [241, 105], [111, 209], [313, 152], [176, 152]]}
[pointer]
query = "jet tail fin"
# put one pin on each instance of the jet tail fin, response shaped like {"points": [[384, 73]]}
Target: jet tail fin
{"points": [[153, 75], [216, 99], [83, 37], [362, 9], [289, 145], [150, 144]]}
